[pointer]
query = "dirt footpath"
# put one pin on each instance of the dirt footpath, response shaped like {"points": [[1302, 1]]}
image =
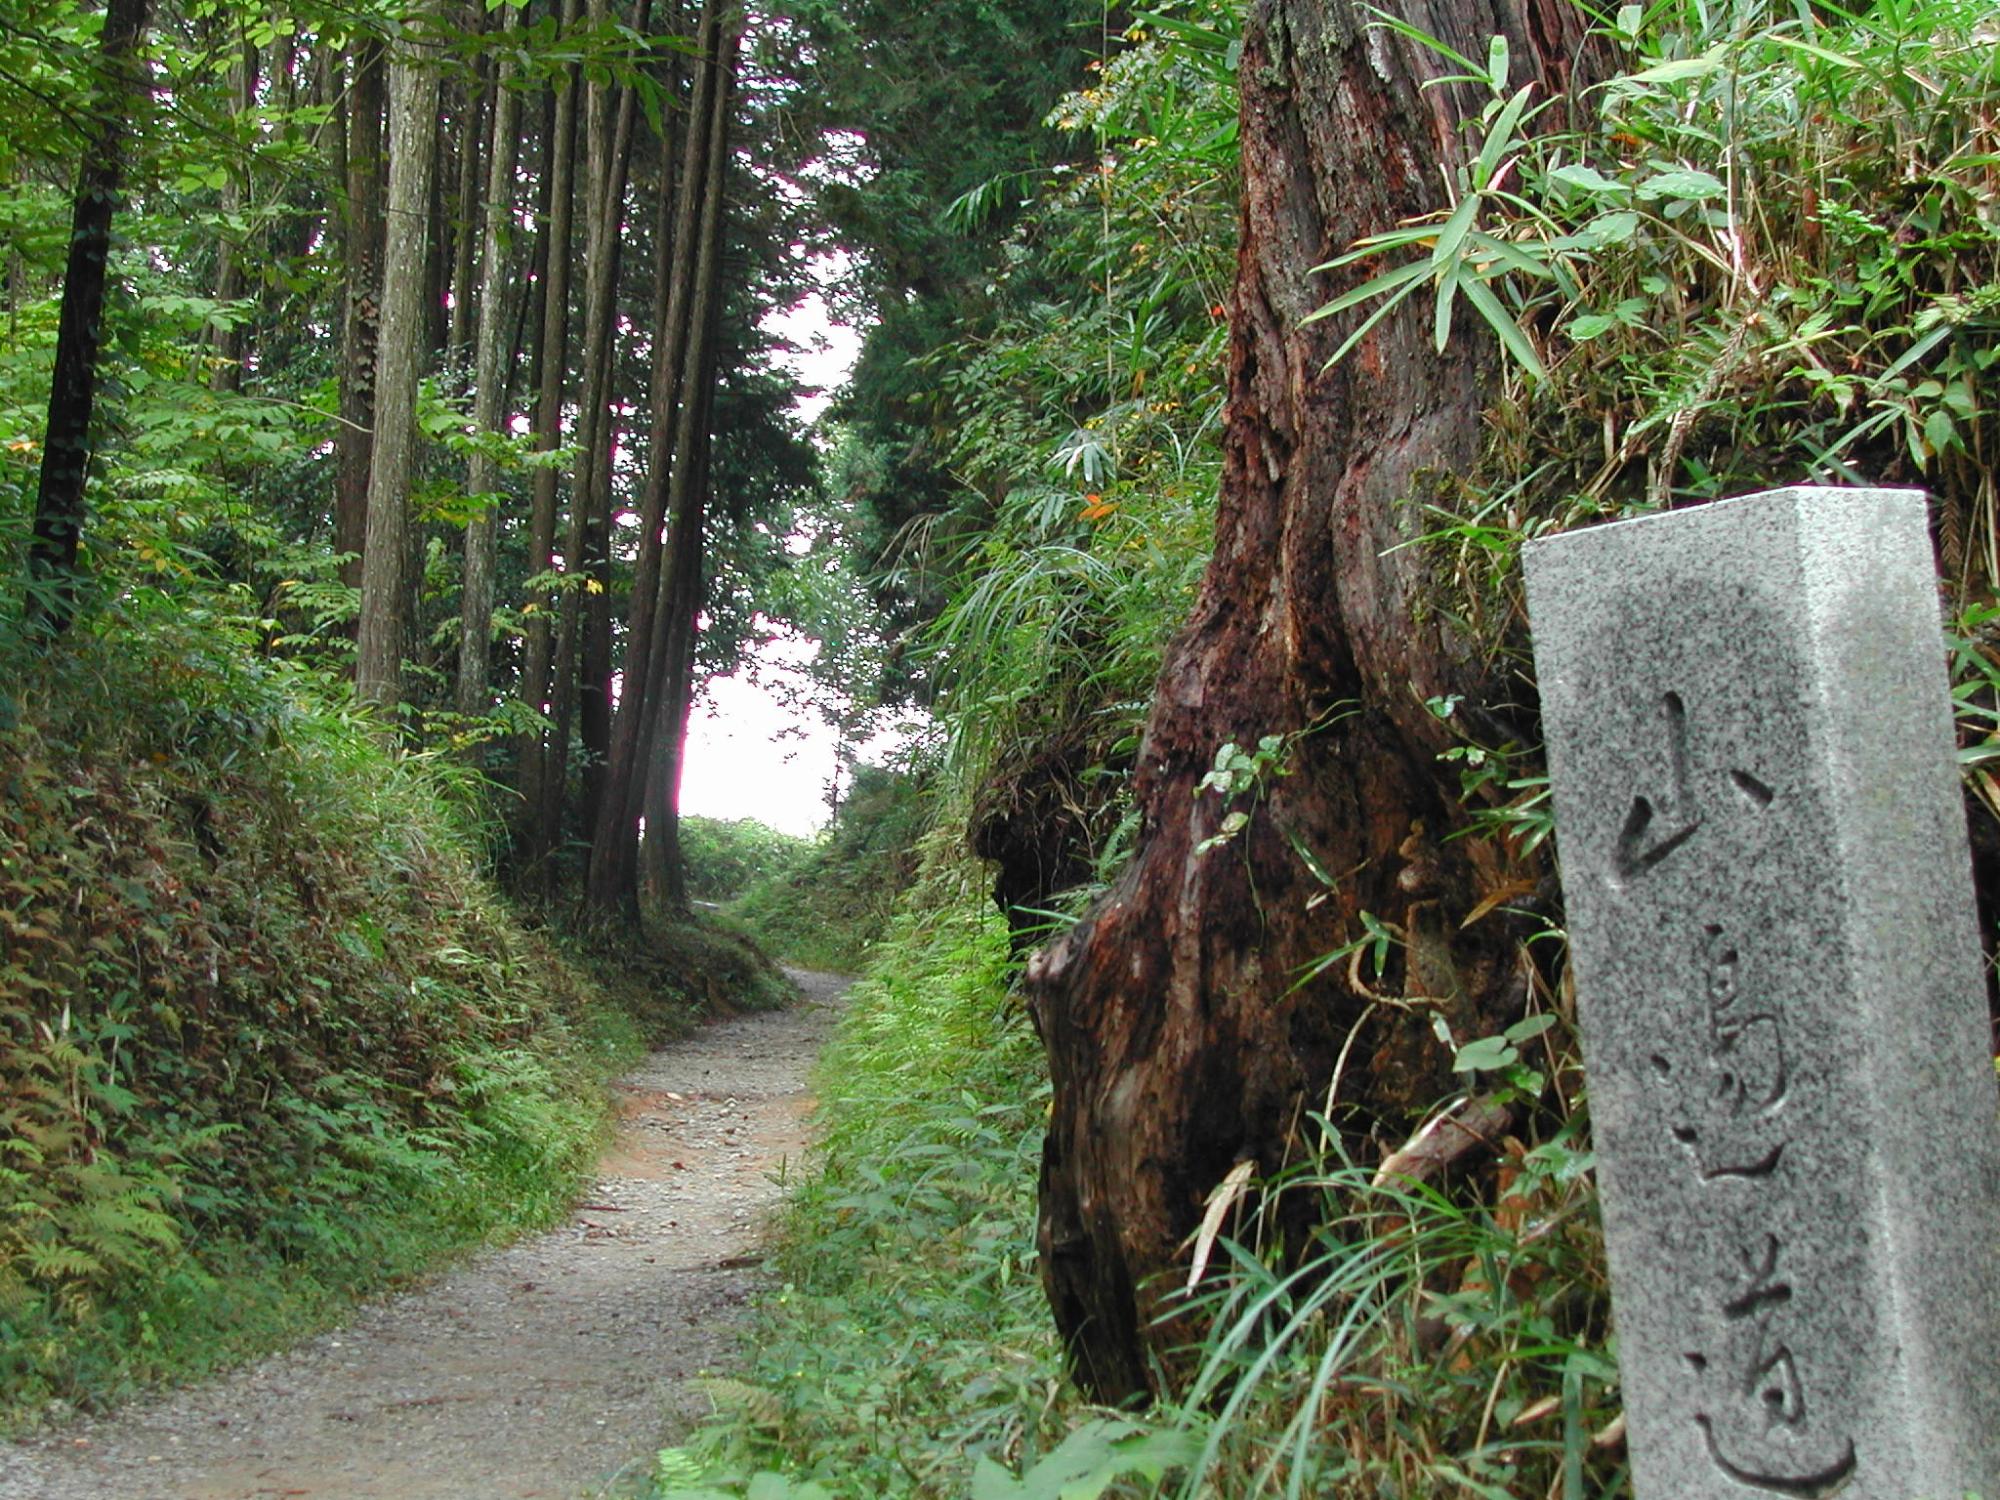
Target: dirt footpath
{"points": [[553, 1369]]}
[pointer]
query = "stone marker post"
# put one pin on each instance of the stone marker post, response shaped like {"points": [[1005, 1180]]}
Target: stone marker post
{"points": [[1780, 991]]}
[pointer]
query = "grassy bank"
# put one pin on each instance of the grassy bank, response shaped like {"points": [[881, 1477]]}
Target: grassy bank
{"points": [[268, 1039]]}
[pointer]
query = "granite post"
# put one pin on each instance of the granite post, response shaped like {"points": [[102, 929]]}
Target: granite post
{"points": [[1780, 991]]}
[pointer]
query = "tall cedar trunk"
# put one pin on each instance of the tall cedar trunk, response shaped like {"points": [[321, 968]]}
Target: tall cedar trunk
{"points": [[475, 651], [1177, 1040], [362, 314], [466, 226], [594, 679], [663, 889], [553, 352], [52, 552], [582, 672], [663, 873], [413, 107], [227, 372], [615, 839]]}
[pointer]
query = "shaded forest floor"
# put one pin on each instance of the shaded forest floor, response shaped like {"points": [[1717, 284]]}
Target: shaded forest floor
{"points": [[554, 1368]]}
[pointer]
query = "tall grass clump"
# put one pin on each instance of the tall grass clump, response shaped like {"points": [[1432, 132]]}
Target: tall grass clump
{"points": [[1417, 1342], [268, 1039]]}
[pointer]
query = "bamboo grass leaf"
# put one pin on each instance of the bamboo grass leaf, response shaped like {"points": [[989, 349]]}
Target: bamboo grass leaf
{"points": [[1510, 334], [1387, 282], [1501, 137], [1454, 232]]}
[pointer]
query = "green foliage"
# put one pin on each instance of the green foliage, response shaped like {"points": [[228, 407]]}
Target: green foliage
{"points": [[1087, 1463], [1462, 258], [265, 1036], [1085, 432], [725, 856], [909, 1338], [825, 908], [1770, 259]]}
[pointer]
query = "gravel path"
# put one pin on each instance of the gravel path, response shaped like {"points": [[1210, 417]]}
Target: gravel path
{"points": [[553, 1369]]}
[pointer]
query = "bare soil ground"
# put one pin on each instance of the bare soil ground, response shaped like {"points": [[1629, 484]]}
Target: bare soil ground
{"points": [[551, 1369]]}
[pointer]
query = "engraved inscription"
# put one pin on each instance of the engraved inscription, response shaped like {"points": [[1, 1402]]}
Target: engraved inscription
{"points": [[1761, 1432], [1724, 1106], [1757, 793], [1652, 833], [1654, 830], [1722, 1075]]}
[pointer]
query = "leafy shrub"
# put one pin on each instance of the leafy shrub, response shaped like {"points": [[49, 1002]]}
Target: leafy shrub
{"points": [[725, 856]]}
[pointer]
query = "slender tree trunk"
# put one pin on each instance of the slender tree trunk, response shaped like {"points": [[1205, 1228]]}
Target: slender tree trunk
{"points": [[533, 774], [227, 373], [330, 89], [489, 394], [466, 224], [1179, 1041], [58, 531], [594, 682], [663, 874], [437, 239], [614, 841], [413, 107], [663, 893], [362, 314]]}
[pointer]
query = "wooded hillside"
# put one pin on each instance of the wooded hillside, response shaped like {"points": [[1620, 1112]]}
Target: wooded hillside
{"points": [[392, 442]]}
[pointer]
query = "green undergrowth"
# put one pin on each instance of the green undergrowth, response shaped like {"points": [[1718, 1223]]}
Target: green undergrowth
{"points": [[908, 1335], [665, 977], [725, 856], [268, 1040], [1419, 1342], [825, 908]]}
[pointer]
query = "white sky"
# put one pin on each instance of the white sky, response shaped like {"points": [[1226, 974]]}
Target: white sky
{"points": [[749, 756]]}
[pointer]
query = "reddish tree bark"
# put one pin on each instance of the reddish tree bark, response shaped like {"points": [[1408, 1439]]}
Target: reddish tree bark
{"points": [[1178, 1039]]}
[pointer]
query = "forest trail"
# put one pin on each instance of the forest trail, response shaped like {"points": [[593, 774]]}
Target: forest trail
{"points": [[552, 1369]]}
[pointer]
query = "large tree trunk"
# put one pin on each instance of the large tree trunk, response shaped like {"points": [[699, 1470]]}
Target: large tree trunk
{"points": [[53, 550], [1179, 1040], [489, 387], [413, 103]]}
